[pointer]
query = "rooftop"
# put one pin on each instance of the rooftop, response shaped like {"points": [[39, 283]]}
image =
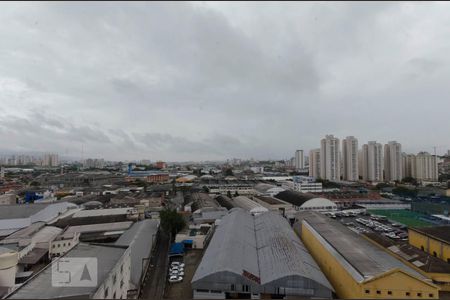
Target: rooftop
{"points": [[295, 198], [140, 238], [40, 286], [441, 233], [363, 259], [263, 245], [96, 228]]}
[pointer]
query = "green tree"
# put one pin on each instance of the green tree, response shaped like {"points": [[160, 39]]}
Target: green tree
{"points": [[229, 172], [171, 221], [382, 185]]}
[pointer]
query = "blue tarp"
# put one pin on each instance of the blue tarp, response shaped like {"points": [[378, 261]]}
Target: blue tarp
{"points": [[188, 242], [176, 249]]}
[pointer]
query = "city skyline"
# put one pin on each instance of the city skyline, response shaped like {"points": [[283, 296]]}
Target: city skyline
{"points": [[211, 81]]}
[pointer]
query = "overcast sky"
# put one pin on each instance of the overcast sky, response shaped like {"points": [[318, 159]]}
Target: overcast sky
{"points": [[198, 81]]}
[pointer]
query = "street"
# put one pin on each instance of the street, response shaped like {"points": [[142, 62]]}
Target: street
{"points": [[155, 279]]}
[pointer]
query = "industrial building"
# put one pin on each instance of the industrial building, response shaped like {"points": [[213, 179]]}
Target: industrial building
{"points": [[97, 232], [433, 267], [434, 240], [113, 276], [140, 238], [357, 267], [15, 217], [248, 204], [257, 256]]}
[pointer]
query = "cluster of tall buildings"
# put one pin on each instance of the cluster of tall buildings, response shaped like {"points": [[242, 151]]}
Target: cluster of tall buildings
{"points": [[47, 160], [373, 162]]}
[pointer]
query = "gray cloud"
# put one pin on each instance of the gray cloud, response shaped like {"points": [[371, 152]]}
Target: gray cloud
{"points": [[179, 81]]}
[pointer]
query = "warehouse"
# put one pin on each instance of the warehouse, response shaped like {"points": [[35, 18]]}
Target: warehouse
{"points": [[257, 256], [356, 267], [434, 240], [110, 264], [140, 239], [248, 204]]}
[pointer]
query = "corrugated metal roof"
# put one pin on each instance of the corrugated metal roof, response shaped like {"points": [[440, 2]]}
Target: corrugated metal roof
{"points": [[102, 212], [117, 226], [232, 248], [264, 245], [247, 203], [40, 286], [364, 259], [140, 239]]}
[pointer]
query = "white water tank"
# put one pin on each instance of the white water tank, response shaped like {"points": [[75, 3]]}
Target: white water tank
{"points": [[8, 266]]}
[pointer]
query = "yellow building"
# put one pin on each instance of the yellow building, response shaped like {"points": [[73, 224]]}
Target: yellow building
{"points": [[357, 268], [434, 240]]}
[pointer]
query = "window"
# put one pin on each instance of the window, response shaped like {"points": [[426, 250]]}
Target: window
{"points": [[408, 294], [121, 269], [68, 244], [106, 293], [448, 260], [121, 283], [114, 279], [114, 295], [431, 295], [434, 254], [367, 291], [233, 287], [422, 248], [419, 294], [389, 292], [378, 292]]}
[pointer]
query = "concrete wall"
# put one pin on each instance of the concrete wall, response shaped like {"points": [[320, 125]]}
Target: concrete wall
{"points": [[430, 245]]}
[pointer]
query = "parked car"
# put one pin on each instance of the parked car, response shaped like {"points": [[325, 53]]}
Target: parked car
{"points": [[175, 279]]}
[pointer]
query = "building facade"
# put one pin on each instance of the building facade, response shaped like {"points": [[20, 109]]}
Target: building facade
{"points": [[330, 165], [299, 160], [393, 161], [372, 160], [314, 163], [350, 158], [426, 167]]}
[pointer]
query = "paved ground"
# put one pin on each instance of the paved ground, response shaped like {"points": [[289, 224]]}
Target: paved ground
{"points": [[182, 290], [157, 274]]}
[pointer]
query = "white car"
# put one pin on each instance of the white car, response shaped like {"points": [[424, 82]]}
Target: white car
{"points": [[174, 279], [177, 264]]}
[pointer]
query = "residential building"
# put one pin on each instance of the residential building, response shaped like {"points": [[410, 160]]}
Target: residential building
{"points": [[356, 267], [426, 167], [350, 159], [410, 168], [50, 160], [299, 160], [161, 165], [373, 163], [393, 161], [314, 163], [330, 165]]}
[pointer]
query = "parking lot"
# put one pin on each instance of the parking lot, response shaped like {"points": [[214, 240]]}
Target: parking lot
{"points": [[366, 223], [182, 290]]}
